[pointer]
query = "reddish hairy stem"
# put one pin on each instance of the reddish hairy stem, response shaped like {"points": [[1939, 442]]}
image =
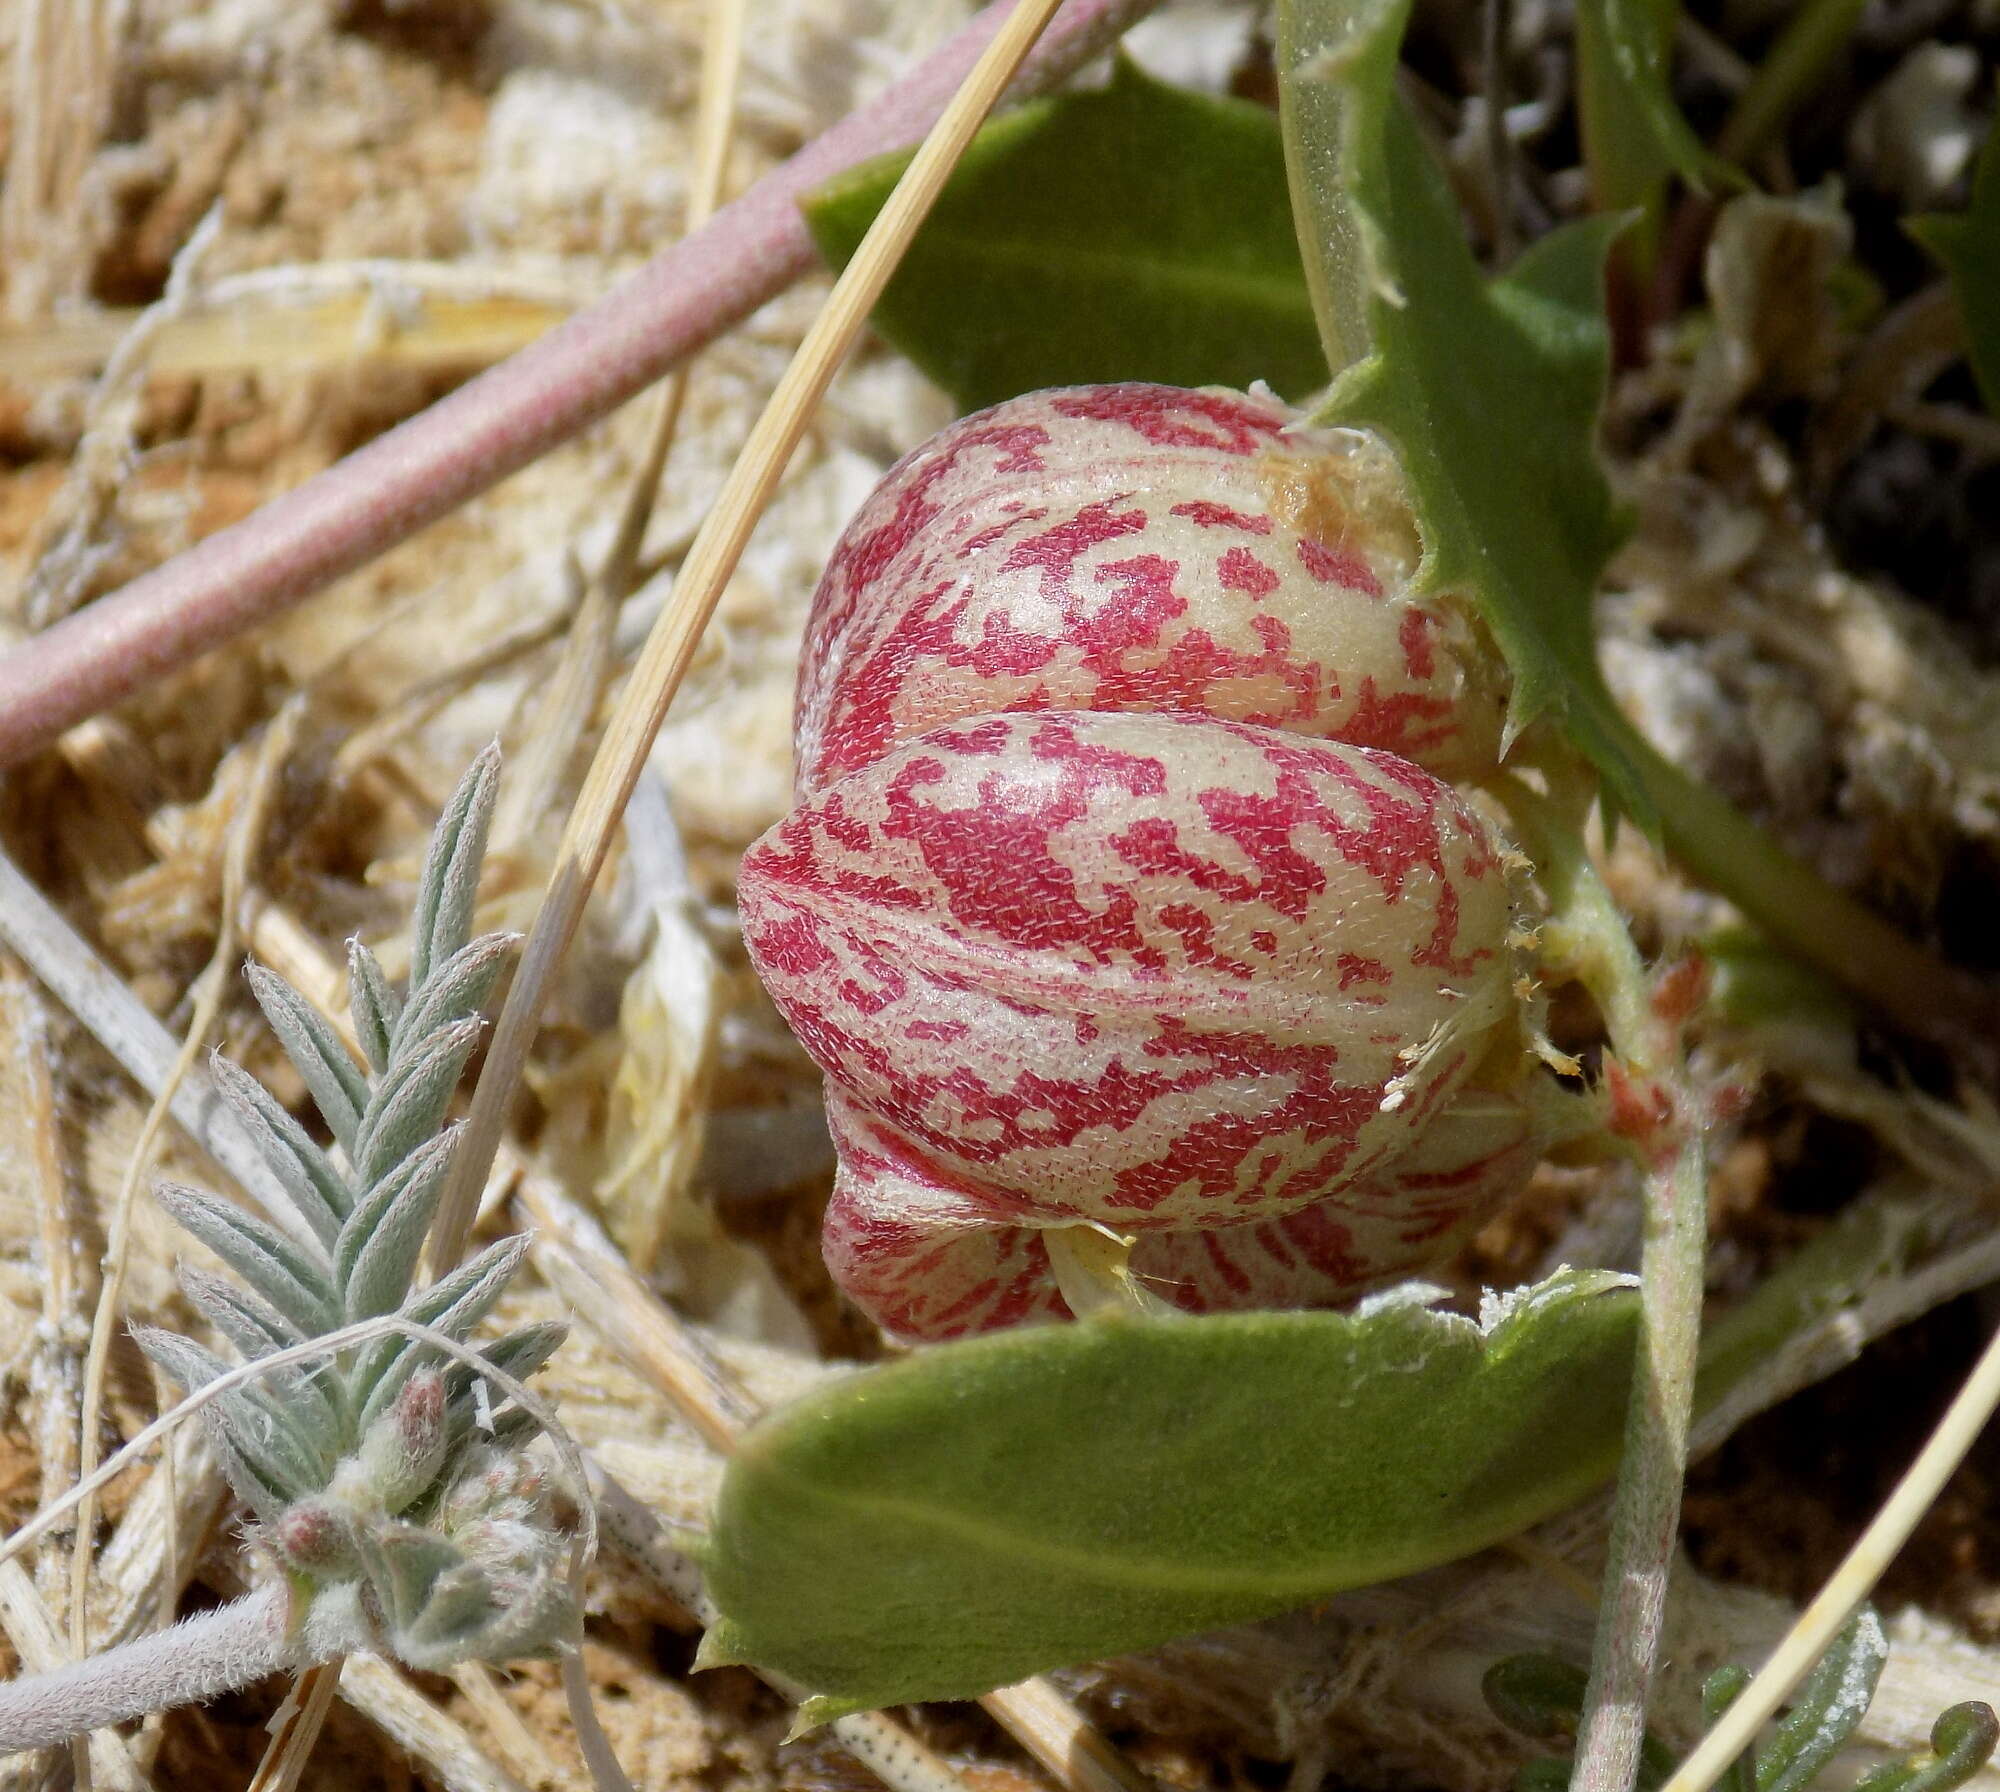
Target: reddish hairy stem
{"points": [[364, 505]]}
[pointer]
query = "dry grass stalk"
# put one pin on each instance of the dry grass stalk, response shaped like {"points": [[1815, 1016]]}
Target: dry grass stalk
{"points": [[527, 1757], [286, 321], [304, 1715], [1851, 1583], [69, 1280], [130, 1032], [65, 69], [78, 532]]}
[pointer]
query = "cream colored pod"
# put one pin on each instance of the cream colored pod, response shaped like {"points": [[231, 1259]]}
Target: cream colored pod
{"points": [[1125, 887]]}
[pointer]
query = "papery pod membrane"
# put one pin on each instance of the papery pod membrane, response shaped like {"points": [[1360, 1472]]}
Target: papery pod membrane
{"points": [[1143, 970], [1140, 547]]}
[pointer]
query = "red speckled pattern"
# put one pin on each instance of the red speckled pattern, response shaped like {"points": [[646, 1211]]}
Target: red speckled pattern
{"points": [[927, 1264], [1105, 899], [1115, 547]]}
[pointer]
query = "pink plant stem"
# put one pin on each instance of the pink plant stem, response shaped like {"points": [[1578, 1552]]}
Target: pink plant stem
{"points": [[684, 298]]}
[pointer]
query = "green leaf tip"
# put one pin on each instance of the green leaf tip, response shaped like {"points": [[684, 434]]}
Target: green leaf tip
{"points": [[1967, 244], [977, 1512], [1175, 261], [1489, 390]]}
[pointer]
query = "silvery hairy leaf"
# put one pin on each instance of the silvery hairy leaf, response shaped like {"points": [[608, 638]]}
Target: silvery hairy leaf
{"points": [[264, 1257], [375, 1006], [411, 1099], [300, 1165], [450, 882], [452, 1305], [519, 1354], [378, 1246], [455, 989], [258, 1329], [338, 1088], [255, 1327], [258, 1429], [402, 1562]]}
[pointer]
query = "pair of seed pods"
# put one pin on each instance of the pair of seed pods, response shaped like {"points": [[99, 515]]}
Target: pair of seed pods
{"points": [[1128, 884]]}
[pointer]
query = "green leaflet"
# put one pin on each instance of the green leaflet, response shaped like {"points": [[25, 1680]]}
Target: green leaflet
{"points": [[1489, 390], [1634, 134], [1968, 243], [1139, 232], [981, 1511]]}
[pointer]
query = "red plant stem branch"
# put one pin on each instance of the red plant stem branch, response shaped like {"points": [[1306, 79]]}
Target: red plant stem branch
{"points": [[341, 519]]}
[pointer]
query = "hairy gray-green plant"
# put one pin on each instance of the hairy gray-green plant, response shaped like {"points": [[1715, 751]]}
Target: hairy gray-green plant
{"points": [[401, 1514], [1541, 1696]]}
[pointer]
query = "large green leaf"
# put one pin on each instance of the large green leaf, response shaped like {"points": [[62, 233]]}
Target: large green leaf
{"points": [[1968, 243], [1139, 232], [1489, 390], [982, 1511]]}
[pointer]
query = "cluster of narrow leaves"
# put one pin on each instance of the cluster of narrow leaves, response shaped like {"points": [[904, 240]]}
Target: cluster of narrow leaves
{"points": [[1541, 1696], [402, 1511]]}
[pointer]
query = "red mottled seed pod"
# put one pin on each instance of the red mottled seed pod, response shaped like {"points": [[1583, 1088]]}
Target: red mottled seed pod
{"points": [[1140, 548], [1125, 887]]}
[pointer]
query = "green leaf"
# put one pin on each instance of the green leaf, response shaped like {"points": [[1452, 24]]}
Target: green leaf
{"points": [[1834, 1699], [1968, 244], [980, 1511], [1489, 390], [1634, 134], [1136, 233]]}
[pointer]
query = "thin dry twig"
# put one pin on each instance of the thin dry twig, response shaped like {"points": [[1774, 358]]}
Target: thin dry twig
{"points": [[494, 425], [132, 1034], [304, 1713]]}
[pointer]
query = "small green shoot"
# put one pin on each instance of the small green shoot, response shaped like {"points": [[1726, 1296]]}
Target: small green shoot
{"points": [[1541, 1697], [1968, 244]]}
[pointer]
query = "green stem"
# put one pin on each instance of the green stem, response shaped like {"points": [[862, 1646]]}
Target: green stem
{"points": [[1645, 1518], [1790, 70], [1587, 937], [1797, 908], [1313, 107]]}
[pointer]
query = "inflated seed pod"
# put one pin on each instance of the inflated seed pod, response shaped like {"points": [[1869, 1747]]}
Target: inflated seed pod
{"points": [[1140, 547], [1124, 887], [930, 1263]]}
